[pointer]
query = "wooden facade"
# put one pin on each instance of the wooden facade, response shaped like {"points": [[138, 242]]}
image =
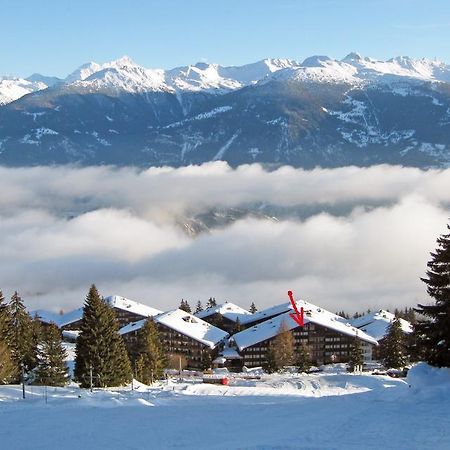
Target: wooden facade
{"points": [[197, 354], [324, 344], [123, 317]]}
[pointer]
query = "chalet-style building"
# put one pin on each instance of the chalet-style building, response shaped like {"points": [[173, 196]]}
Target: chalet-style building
{"points": [[377, 324], [225, 316], [126, 311], [328, 337], [183, 334]]}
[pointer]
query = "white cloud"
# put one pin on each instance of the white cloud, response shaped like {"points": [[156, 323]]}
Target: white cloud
{"points": [[64, 228]]}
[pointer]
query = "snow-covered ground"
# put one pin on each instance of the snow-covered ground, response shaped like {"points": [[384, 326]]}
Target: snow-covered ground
{"points": [[329, 410]]}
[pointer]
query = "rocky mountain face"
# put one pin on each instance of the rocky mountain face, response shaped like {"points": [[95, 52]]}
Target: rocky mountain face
{"points": [[319, 112]]}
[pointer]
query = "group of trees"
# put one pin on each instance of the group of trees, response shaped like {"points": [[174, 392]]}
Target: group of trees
{"points": [[101, 356], [33, 353], [29, 351]]}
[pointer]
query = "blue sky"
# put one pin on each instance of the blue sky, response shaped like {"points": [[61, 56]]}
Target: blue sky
{"points": [[54, 37]]}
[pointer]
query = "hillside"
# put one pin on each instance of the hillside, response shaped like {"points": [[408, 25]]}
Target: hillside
{"points": [[322, 111]]}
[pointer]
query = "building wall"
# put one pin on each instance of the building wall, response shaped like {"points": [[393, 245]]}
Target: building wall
{"points": [[173, 342], [123, 317], [325, 346]]}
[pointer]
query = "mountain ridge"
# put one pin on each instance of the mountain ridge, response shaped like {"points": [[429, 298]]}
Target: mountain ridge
{"points": [[322, 111]]}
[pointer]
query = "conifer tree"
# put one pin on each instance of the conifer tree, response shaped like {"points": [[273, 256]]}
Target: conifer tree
{"points": [[99, 346], [184, 306], [271, 365], [51, 369], [303, 358], [356, 357], [6, 332], [253, 308], [211, 303], [393, 347], [433, 334], [23, 344], [206, 360], [199, 307], [149, 355], [8, 367], [237, 326]]}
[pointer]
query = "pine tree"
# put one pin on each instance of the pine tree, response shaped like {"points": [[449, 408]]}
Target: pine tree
{"points": [[23, 345], [8, 367], [211, 303], [6, 331], [433, 334], [99, 346], [393, 347], [303, 359], [206, 360], [149, 355], [356, 357], [281, 351], [253, 308], [199, 307], [51, 369], [184, 306], [271, 365], [237, 326]]}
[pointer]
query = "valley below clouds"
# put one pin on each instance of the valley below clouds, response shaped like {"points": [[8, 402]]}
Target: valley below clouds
{"points": [[347, 238]]}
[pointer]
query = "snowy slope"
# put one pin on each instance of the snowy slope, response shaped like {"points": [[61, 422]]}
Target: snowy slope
{"points": [[289, 412], [14, 88], [124, 74], [356, 69]]}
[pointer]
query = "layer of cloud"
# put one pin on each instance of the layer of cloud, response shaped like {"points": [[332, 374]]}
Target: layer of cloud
{"points": [[64, 228]]}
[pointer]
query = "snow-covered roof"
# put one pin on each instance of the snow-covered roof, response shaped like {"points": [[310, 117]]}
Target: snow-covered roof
{"points": [[46, 316], [376, 324], [71, 334], [186, 324], [266, 313], [70, 317], [230, 353], [314, 314], [228, 310], [116, 301]]}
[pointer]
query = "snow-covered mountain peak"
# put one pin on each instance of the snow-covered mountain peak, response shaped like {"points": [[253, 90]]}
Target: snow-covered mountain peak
{"points": [[121, 62], [316, 61], [352, 56], [83, 72], [129, 78], [14, 88]]}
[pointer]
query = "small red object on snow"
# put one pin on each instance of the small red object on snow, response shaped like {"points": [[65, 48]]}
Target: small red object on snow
{"points": [[225, 381]]}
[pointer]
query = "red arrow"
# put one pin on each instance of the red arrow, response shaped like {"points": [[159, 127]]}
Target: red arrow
{"points": [[297, 316]]}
